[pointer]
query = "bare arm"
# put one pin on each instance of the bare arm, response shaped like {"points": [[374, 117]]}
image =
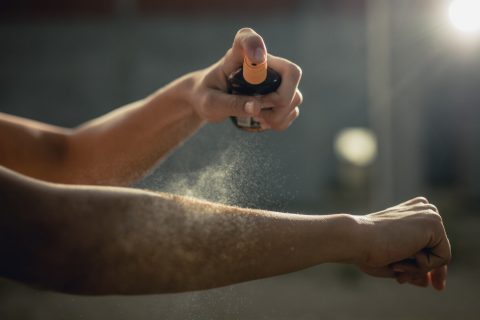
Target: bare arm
{"points": [[111, 240], [98, 240], [123, 145], [114, 149]]}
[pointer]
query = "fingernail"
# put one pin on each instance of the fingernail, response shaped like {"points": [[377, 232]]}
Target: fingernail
{"points": [[259, 55], [444, 284], [249, 107]]}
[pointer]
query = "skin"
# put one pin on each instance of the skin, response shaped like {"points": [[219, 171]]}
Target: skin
{"points": [[79, 232], [149, 128]]}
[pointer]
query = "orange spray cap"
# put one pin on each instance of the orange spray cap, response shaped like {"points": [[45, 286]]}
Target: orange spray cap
{"points": [[254, 73]]}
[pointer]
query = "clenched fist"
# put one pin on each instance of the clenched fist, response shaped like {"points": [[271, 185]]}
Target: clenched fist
{"points": [[407, 242]]}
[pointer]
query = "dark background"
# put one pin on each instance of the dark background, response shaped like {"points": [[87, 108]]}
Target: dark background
{"points": [[398, 68]]}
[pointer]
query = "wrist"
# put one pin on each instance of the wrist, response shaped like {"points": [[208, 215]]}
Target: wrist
{"points": [[188, 89], [339, 238], [353, 236], [180, 94], [361, 233]]}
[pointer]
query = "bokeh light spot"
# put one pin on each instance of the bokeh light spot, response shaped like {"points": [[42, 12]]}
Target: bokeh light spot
{"points": [[357, 146]]}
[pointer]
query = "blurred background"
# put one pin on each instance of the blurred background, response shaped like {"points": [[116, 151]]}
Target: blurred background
{"points": [[391, 111]]}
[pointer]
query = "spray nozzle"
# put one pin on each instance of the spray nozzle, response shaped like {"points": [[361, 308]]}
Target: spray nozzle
{"points": [[254, 73]]}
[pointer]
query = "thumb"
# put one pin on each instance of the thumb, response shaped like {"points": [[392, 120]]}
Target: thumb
{"points": [[428, 260], [246, 43], [222, 105]]}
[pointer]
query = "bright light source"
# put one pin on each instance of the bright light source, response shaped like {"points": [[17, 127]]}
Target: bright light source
{"points": [[356, 145], [465, 15]]}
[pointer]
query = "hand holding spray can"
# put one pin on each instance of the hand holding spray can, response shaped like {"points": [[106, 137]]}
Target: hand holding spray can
{"points": [[252, 79]]}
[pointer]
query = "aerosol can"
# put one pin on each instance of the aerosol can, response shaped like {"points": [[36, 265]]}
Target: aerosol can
{"points": [[252, 79]]}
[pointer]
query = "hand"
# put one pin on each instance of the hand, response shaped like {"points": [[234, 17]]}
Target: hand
{"points": [[275, 111], [407, 242]]}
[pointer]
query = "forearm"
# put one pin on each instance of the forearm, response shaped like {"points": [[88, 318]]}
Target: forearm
{"points": [[104, 240], [123, 145], [31, 147], [114, 149]]}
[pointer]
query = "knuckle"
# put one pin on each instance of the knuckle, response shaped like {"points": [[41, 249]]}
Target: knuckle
{"points": [[248, 36], [300, 98], [423, 207], [429, 207], [297, 100], [244, 30], [421, 199], [433, 223], [295, 72], [437, 218], [297, 112]]}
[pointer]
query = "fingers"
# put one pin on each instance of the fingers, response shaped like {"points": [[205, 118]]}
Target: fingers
{"points": [[286, 99], [417, 279], [422, 207], [404, 206], [417, 243], [405, 266], [414, 201], [291, 75], [427, 261], [424, 261], [285, 122], [413, 273], [417, 204], [218, 105], [439, 278], [436, 278], [246, 43], [280, 117], [437, 252], [409, 272]]}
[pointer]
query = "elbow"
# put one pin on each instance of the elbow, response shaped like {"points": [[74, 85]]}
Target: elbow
{"points": [[54, 160], [69, 161]]}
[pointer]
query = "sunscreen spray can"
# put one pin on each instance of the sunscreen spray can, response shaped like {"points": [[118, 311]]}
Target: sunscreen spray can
{"points": [[252, 79]]}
